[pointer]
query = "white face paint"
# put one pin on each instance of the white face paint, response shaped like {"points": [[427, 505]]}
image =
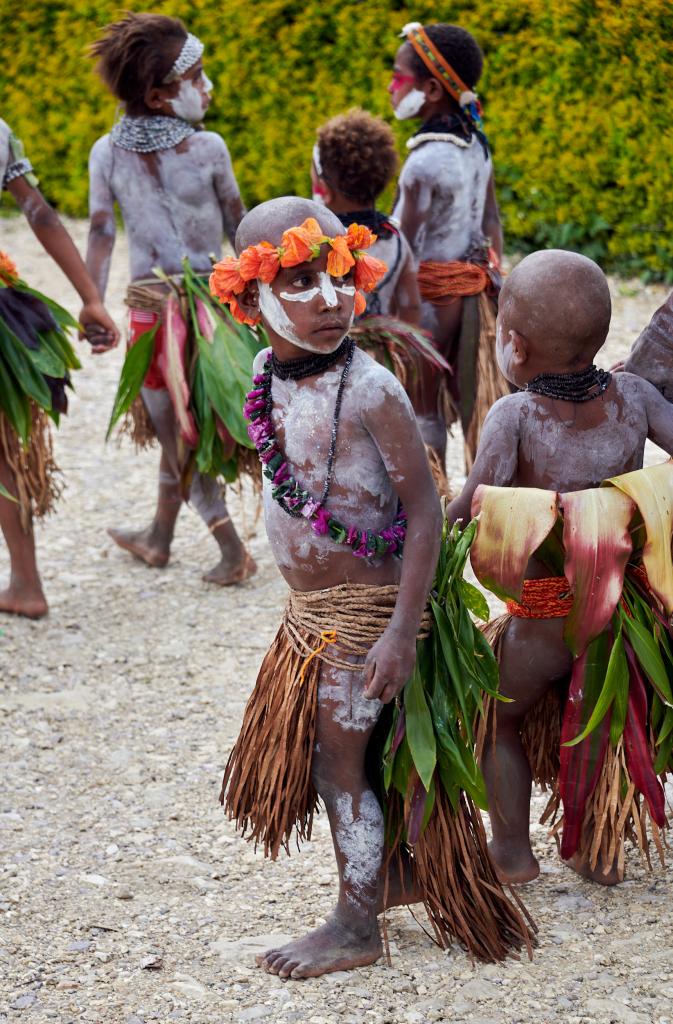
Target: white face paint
{"points": [[326, 288], [207, 84], [409, 105], [188, 104], [318, 197], [276, 315]]}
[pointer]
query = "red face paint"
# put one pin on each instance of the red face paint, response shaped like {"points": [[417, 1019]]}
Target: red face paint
{"points": [[398, 80]]}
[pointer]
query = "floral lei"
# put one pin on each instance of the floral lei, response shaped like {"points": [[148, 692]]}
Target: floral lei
{"points": [[296, 501], [298, 245]]}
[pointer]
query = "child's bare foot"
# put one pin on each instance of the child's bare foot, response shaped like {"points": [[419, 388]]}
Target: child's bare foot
{"points": [[229, 571], [597, 874], [27, 601], [513, 865], [143, 544], [333, 947]]}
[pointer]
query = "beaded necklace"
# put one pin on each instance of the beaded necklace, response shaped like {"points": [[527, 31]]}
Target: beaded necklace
{"points": [[581, 386], [150, 133], [290, 495], [307, 366]]}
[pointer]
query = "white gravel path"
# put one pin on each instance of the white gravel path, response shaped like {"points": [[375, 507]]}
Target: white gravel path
{"points": [[124, 895]]}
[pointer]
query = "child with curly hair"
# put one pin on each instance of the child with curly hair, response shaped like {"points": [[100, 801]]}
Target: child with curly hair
{"points": [[177, 193], [447, 208], [354, 159]]}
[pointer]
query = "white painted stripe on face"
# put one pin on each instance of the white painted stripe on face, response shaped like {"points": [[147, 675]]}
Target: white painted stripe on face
{"points": [[326, 288]]}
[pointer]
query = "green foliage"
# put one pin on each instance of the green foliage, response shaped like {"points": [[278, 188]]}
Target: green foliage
{"points": [[576, 95]]}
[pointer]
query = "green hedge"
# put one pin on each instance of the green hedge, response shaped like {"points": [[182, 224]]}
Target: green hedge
{"points": [[577, 97]]}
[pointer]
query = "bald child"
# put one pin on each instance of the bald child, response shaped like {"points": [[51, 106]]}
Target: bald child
{"points": [[553, 319]]}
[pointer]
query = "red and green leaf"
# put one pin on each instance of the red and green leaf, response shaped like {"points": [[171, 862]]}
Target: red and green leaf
{"points": [[637, 747], [513, 522], [173, 362], [652, 491], [581, 764], [597, 544]]}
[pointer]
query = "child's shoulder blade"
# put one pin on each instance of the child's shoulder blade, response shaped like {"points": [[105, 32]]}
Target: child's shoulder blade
{"points": [[372, 385]]}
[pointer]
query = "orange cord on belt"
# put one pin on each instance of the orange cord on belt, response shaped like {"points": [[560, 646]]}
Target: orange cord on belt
{"points": [[543, 599], [448, 281]]}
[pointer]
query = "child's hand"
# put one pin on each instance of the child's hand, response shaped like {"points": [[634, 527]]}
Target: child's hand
{"points": [[99, 329], [389, 665]]}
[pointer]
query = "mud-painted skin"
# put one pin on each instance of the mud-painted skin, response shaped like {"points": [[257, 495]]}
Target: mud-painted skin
{"points": [[652, 354], [446, 203], [24, 595], [379, 457], [533, 441], [174, 203]]}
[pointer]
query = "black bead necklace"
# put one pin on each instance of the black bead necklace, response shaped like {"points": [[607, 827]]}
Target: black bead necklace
{"points": [[348, 346], [307, 366], [582, 386]]}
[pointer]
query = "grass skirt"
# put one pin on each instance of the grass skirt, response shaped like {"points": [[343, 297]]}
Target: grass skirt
{"points": [[36, 475], [268, 790]]}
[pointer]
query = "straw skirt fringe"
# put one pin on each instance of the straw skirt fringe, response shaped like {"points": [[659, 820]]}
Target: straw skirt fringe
{"points": [[35, 472]]}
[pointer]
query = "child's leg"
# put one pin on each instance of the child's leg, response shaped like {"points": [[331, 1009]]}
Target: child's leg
{"points": [[24, 595], [235, 564], [153, 544], [533, 657], [351, 936]]}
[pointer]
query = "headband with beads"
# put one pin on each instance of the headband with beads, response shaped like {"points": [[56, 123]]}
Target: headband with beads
{"points": [[191, 51], [439, 67], [298, 245]]}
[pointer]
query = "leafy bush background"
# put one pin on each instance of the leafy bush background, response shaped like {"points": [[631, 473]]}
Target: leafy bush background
{"points": [[577, 97]]}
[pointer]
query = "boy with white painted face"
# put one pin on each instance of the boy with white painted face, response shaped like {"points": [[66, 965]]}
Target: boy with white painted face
{"points": [[447, 209], [346, 478], [177, 193]]}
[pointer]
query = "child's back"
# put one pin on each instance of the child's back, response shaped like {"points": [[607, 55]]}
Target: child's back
{"points": [[571, 427]]}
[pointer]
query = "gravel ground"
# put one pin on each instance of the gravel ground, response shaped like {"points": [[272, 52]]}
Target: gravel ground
{"points": [[124, 895]]}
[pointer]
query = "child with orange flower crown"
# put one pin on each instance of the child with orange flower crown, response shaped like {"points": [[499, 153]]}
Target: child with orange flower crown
{"points": [[447, 209], [347, 489], [342, 456], [177, 194], [33, 334]]}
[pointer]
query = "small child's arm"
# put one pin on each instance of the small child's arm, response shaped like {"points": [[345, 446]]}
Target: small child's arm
{"points": [[102, 227], [228, 194], [659, 417], [393, 427], [491, 223], [497, 457], [53, 236]]}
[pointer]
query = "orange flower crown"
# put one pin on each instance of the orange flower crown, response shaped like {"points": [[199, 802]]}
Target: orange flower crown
{"points": [[298, 245], [8, 271]]}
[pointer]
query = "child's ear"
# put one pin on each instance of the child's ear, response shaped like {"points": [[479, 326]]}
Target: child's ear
{"points": [[248, 300], [519, 348], [434, 90], [155, 98]]}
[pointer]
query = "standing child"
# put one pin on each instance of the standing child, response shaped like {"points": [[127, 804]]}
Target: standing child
{"points": [[27, 468], [354, 159], [177, 193], [447, 209], [345, 475], [570, 427]]}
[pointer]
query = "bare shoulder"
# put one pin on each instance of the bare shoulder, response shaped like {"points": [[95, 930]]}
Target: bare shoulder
{"points": [[430, 161], [208, 143], [509, 410], [373, 387], [101, 151]]}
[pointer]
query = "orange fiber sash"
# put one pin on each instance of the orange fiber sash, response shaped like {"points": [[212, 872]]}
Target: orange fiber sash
{"points": [[543, 599], [441, 283]]}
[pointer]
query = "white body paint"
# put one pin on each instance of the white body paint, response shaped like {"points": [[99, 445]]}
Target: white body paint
{"points": [[188, 103], [359, 836], [452, 181], [342, 690], [174, 203], [362, 493], [409, 105], [279, 319], [5, 132]]}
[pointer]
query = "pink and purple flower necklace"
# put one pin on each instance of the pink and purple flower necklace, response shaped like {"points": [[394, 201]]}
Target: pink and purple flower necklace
{"points": [[289, 494]]}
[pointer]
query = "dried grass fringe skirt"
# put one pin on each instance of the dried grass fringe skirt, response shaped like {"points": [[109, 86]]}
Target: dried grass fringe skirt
{"points": [[35, 472], [268, 790], [614, 812]]}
